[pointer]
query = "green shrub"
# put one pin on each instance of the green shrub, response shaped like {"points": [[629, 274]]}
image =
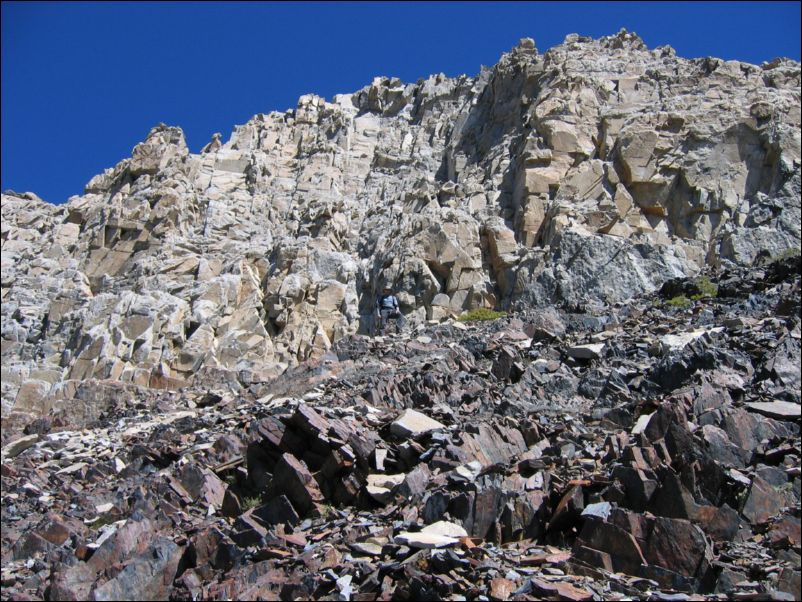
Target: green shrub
{"points": [[708, 288], [680, 301], [251, 502], [481, 315]]}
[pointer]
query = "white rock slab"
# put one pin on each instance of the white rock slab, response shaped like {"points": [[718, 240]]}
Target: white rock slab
{"points": [[424, 541], [387, 481], [781, 410], [446, 528], [641, 423], [412, 423]]}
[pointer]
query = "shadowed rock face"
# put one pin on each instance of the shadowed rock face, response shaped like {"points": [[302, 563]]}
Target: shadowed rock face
{"points": [[588, 174]]}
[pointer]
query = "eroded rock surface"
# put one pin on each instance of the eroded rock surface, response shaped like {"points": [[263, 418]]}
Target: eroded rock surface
{"points": [[590, 173]]}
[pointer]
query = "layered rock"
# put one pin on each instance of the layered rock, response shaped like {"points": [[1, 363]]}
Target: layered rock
{"points": [[592, 172]]}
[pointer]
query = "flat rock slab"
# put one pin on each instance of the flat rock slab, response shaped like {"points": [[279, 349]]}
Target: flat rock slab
{"points": [[445, 528], [412, 423], [15, 448], [675, 342], [366, 548], [388, 481], [591, 351], [781, 410], [425, 541]]}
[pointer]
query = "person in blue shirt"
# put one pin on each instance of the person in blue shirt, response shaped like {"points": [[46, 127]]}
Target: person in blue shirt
{"points": [[387, 309]]}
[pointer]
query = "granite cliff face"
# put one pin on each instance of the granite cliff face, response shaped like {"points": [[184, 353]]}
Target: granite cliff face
{"points": [[585, 175]]}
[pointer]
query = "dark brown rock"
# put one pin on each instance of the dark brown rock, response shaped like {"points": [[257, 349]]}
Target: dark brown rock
{"points": [[762, 502], [785, 532], [248, 531], [638, 485], [790, 581], [149, 576], [415, 482], [617, 543], [277, 511], [292, 478], [568, 510], [678, 545], [593, 557]]}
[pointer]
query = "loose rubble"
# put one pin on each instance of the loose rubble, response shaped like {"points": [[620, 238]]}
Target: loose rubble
{"points": [[479, 461]]}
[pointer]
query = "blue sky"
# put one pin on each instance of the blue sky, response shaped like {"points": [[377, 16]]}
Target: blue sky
{"points": [[82, 83]]}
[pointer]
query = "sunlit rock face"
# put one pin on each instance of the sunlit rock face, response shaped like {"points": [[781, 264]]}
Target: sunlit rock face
{"points": [[588, 174]]}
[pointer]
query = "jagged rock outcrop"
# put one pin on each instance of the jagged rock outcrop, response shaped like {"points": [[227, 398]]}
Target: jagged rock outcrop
{"points": [[590, 173]]}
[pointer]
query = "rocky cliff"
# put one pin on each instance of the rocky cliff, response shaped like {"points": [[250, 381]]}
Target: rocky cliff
{"points": [[585, 175]]}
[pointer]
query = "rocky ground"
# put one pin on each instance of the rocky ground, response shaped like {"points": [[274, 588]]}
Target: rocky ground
{"points": [[644, 450]]}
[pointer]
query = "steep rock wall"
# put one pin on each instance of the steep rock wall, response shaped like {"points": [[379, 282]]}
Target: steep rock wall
{"points": [[586, 174]]}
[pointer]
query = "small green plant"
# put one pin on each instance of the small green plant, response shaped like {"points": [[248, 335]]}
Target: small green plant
{"points": [[679, 301], [249, 503], [325, 510], [708, 288], [102, 521], [481, 314]]}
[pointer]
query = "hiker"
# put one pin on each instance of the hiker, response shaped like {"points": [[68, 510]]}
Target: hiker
{"points": [[387, 308]]}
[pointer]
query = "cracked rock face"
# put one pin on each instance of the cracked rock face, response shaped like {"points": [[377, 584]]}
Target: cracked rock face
{"points": [[588, 174]]}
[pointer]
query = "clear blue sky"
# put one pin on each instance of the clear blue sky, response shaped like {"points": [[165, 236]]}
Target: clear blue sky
{"points": [[82, 83]]}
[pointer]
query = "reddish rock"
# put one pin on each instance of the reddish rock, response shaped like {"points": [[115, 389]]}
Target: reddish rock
{"points": [[559, 590], [790, 581], [211, 547], [593, 557], [763, 502], [721, 523], [292, 478], [277, 511], [248, 531], [785, 532], [501, 588], [620, 545], [130, 539], [568, 510], [149, 576], [678, 545], [202, 484]]}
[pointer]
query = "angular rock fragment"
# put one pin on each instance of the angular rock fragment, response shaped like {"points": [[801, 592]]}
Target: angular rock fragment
{"points": [[780, 410], [292, 478], [149, 576], [412, 422], [590, 351]]}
